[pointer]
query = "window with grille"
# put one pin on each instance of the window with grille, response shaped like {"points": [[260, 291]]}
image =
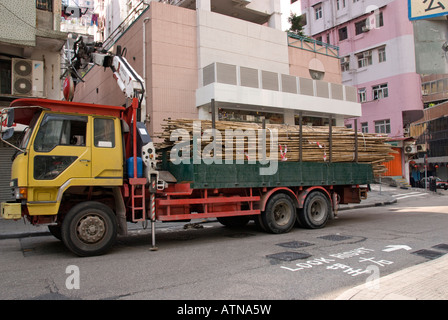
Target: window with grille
{"points": [[364, 59], [382, 126], [44, 5], [362, 95], [381, 91]]}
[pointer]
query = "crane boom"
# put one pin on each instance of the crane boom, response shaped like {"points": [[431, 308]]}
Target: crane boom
{"points": [[130, 83]]}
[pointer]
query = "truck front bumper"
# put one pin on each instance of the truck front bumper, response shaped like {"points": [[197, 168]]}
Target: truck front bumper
{"points": [[11, 210]]}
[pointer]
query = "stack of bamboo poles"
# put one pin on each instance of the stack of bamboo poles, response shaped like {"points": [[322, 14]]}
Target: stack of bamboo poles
{"points": [[371, 148]]}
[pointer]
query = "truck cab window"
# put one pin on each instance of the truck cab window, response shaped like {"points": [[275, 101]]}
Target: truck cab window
{"points": [[104, 133], [58, 130]]}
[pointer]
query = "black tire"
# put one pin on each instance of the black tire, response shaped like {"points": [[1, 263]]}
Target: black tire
{"points": [[234, 222], [89, 229], [55, 230], [279, 215], [316, 211]]}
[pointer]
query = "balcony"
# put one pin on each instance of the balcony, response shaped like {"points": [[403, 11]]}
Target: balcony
{"points": [[312, 45]]}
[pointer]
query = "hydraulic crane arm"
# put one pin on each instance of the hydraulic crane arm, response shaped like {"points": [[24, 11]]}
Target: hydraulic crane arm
{"points": [[130, 83]]}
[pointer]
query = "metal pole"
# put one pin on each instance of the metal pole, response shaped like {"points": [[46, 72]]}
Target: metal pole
{"points": [[152, 205], [331, 137], [212, 106], [356, 140], [300, 136]]}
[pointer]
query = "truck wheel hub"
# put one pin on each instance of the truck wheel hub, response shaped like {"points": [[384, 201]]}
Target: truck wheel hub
{"points": [[281, 214], [91, 229]]}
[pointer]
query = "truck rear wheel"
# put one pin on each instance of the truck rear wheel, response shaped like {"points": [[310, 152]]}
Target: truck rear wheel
{"points": [[316, 211], [89, 229], [279, 215]]}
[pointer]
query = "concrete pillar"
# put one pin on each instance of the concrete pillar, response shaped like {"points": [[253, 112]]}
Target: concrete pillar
{"points": [[275, 21], [289, 117], [203, 5]]}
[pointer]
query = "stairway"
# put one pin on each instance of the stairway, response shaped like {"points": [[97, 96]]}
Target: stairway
{"points": [[399, 182]]}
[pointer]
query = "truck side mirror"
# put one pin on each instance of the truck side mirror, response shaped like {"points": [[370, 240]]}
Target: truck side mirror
{"points": [[10, 120], [5, 135]]}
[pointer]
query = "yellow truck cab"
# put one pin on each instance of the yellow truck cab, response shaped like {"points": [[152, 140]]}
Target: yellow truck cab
{"points": [[70, 151]]}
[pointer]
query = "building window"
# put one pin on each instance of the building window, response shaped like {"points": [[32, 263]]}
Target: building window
{"points": [[348, 126], [364, 127], [379, 22], [340, 4], [360, 26], [381, 91], [44, 5], [345, 63], [362, 95], [382, 126], [382, 54], [425, 88], [364, 59], [318, 11], [343, 33], [5, 76]]}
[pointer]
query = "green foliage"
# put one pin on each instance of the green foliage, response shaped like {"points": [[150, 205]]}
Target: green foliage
{"points": [[296, 24]]}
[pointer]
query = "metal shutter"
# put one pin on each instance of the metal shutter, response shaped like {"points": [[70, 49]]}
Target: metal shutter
{"points": [[6, 152]]}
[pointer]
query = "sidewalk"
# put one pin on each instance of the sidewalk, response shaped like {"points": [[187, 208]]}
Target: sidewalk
{"points": [[425, 281]]}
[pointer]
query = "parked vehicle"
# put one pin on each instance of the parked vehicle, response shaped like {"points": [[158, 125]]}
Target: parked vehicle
{"points": [[440, 184]]}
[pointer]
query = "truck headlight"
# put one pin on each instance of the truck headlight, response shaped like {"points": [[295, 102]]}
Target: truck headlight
{"points": [[20, 193]]}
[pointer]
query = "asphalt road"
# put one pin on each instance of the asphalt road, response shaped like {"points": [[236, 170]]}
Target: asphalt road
{"points": [[215, 262]]}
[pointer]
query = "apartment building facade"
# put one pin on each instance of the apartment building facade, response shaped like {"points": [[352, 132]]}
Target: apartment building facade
{"points": [[376, 44], [30, 44], [191, 53]]}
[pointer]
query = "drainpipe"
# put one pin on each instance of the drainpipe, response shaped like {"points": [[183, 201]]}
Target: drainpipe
{"points": [[143, 110]]}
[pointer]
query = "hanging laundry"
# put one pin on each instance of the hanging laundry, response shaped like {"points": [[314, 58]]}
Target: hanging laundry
{"points": [[94, 20]]}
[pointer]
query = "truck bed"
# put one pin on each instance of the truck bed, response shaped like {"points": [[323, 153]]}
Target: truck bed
{"points": [[292, 174]]}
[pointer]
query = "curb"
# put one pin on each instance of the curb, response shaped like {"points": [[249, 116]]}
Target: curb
{"points": [[376, 204]]}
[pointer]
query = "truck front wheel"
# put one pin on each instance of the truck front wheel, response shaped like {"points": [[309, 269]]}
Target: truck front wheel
{"points": [[89, 229], [315, 212], [280, 214]]}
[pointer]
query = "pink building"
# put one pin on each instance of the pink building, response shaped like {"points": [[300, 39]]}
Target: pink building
{"points": [[376, 43]]}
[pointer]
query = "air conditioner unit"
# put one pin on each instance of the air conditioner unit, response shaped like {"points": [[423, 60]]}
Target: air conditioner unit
{"points": [[421, 148], [410, 149], [27, 77], [22, 77], [366, 28]]}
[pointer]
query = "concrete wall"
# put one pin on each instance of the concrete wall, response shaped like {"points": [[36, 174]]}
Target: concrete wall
{"points": [[238, 42], [300, 62]]}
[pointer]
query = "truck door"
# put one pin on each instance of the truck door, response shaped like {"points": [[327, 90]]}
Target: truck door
{"points": [[60, 152], [107, 152]]}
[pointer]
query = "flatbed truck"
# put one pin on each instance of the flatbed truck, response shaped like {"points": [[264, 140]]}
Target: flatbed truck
{"points": [[76, 169]]}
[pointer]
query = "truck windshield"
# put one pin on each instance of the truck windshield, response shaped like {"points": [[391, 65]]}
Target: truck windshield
{"points": [[27, 132]]}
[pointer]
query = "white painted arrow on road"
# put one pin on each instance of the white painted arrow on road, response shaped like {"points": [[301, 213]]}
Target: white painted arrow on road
{"points": [[396, 247]]}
